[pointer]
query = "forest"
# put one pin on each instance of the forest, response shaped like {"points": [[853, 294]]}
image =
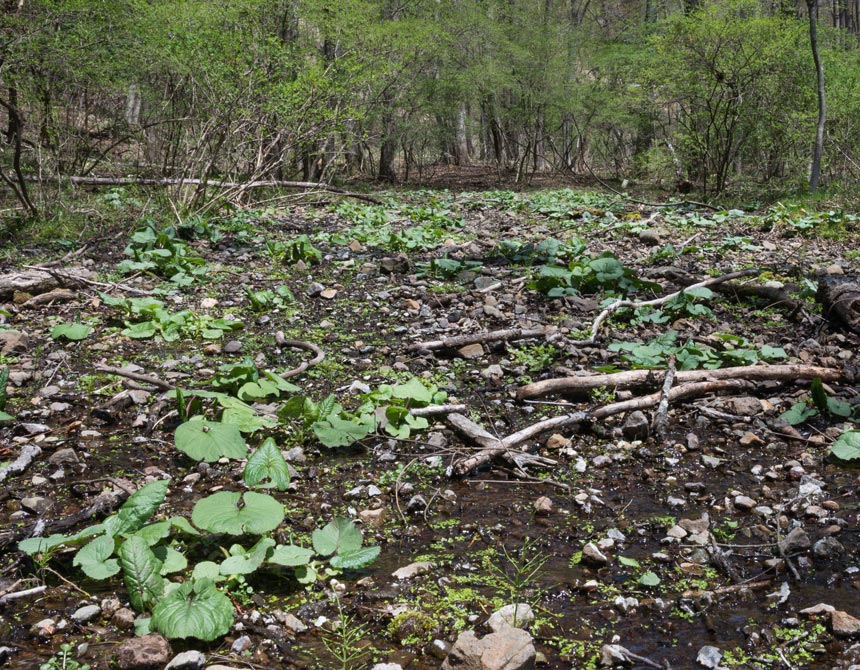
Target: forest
{"points": [[408, 335]]}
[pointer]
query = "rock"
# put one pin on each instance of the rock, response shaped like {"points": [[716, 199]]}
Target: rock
{"points": [[796, 540], [543, 505], [492, 372], [636, 426], [471, 351], [187, 660], [744, 405], [66, 456], [396, 265], [37, 505], [613, 654], [373, 518], [149, 652], [820, 608], [123, 618], [6, 654], [387, 666], [416, 503], [13, 342], [86, 613], [649, 237], [439, 649], [711, 461], [591, 554], [314, 289], [709, 657], [509, 649], [843, 624], [412, 570], [751, 440], [834, 269], [293, 623], [519, 615], [826, 547], [233, 347], [241, 644], [700, 525], [744, 502]]}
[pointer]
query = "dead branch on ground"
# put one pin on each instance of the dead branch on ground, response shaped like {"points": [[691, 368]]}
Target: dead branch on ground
{"points": [[458, 341], [300, 344]]}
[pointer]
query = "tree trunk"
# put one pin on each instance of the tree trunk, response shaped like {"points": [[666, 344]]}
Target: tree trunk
{"points": [[815, 171]]}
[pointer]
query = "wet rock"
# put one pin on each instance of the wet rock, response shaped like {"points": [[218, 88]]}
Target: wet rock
{"points": [[373, 518], [636, 426], [676, 502], [123, 618], [241, 644], [293, 623], [709, 657], [817, 610], [187, 660], [796, 540], [509, 649], [149, 652], [471, 351], [613, 654], [519, 615], [700, 525], [86, 613], [66, 456], [543, 505], [439, 649], [6, 654], [44, 628], [843, 624], [591, 554], [827, 547], [37, 505], [412, 570], [416, 503]]}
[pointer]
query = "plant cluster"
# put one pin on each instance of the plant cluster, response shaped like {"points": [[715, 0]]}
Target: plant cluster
{"points": [[161, 250], [589, 275]]}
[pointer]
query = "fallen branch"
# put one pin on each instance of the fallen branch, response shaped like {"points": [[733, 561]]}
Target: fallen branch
{"points": [[136, 376], [175, 181], [437, 410], [479, 338], [656, 302], [65, 278], [17, 595], [29, 453], [682, 392], [634, 378], [300, 344]]}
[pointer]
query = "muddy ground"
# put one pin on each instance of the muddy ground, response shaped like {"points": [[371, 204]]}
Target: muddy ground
{"points": [[662, 546]]}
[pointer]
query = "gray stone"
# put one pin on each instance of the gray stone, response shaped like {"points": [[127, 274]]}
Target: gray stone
{"points": [[709, 657], [187, 660], [6, 653], [843, 624], [744, 405], [13, 342], [241, 644], [471, 351], [518, 615], [613, 654], [412, 570], [796, 540], [123, 618], [509, 649], [86, 613], [439, 649], [387, 666], [149, 652], [744, 502], [649, 237], [66, 456], [233, 347], [416, 503], [826, 547], [314, 289], [293, 623], [493, 371], [591, 554], [37, 504], [636, 426]]}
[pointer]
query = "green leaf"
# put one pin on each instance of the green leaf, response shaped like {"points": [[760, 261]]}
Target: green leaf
{"points": [[40, 545], [196, 609], [71, 331], [153, 533], [206, 570], [236, 514], [141, 572], [140, 331], [171, 560], [267, 462], [339, 535], [6, 417], [649, 579], [306, 574], [208, 441], [95, 558], [819, 395], [142, 626], [354, 558], [137, 510], [337, 432], [847, 446], [702, 292], [629, 562], [291, 556], [798, 413], [770, 353], [243, 562], [413, 390]]}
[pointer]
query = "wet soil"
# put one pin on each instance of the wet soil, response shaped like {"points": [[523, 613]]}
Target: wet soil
{"points": [[661, 594]]}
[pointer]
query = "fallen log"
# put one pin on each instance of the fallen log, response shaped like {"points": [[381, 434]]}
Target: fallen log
{"points": [[458, 341], [635, 378], [213, 183], [840, 300]]}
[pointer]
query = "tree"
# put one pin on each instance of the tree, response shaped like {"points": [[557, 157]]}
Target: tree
{"points": [[815, 171]]}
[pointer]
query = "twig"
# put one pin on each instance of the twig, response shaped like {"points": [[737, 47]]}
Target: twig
{"points": [[17, 595], [29, 452], [136, 376], [65, 278], [300, 344], [479, 338], [437, 410]]}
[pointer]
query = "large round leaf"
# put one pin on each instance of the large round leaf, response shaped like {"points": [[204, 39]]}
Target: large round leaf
{"points": [[339, 535], [195, 609], [210, 440], [237, 514]]}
